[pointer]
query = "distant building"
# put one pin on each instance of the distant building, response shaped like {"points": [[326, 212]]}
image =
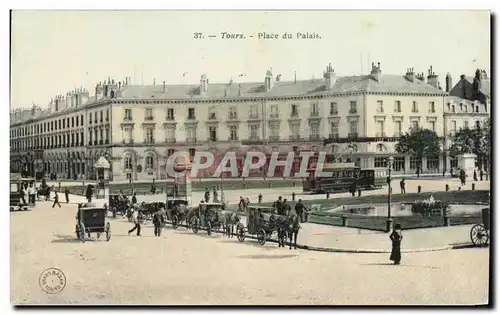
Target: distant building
{"points": [[476, 88], [356, 118]]}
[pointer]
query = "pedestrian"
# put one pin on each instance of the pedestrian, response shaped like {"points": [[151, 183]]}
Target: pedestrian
{"points": [[402, 186], [396, 238], [279, 204], [56, 200], [135, 219], [215, 194], [31, 194], [241, 204], [153, 189], [22, 194], [157, 221], [207, 195], [462, 173], [260, 198], [285, 207], [66, 194], [475, 175], [299, 209], [134, 199], [88, 193]]}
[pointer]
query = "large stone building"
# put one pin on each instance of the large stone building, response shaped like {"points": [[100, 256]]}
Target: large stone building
{"points": [[361, 118]]}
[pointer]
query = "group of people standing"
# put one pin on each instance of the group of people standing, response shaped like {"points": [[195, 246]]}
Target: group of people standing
{"points": [[283, 207]]}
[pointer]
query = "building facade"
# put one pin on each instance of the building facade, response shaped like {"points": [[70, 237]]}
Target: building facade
{"points": [[355, 118]]}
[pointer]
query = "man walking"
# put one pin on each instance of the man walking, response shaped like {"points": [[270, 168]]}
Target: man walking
{"points": [[402, 186], [207, 195], [66, 194], [299, 209], [157, 221], [285, 207], [137, 225], [56, 199]]}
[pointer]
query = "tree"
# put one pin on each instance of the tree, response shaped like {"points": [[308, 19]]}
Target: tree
{"points": [[417, 143], [477, 141]]}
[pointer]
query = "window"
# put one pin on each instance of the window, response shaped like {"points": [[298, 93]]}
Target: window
{"points": [[295, 111], [128, 114], [453, 162], [414, 124], [399, 163], [275, 131], [212, 131], [170, 133], [414, 107], [170, 114], [212, 114], [295, 129], [380, 106], [100, 116], [64, 123], [274, 111], [448, 106], [333, 108], [191, 114], [461, 107], [314, 109], [127, 134], [107, 114], [380, 162], [397, 106], [353, 128], [254, 113], [254, 132], [477, 109], [148, 115], [127, 162], [73, 121], [453, 108], [192, 152], [233, 133], [149, 135], [232, 112], [466, 124], [433, 163], [149, 162], [314, 130], [413, 163], [453, 126], [380, 128], [432, 125], [465, 109], [191, 133], [432, 107], [352, 107], [398, 129]]}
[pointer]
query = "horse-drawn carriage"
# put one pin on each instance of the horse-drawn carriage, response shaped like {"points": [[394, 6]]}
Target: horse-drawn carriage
{"points": [[177, 211], [17, 183], [208, 216], [92, 219], [263, 222], [118, 205], [480, 233]]}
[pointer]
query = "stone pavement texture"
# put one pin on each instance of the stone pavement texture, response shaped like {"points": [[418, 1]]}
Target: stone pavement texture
{"points": [[181, 268]]}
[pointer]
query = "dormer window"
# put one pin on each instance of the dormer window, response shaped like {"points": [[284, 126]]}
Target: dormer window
{"points": [[295, 111]]}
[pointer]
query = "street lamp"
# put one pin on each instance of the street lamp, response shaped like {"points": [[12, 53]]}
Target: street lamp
{"points": [[390, 161]]}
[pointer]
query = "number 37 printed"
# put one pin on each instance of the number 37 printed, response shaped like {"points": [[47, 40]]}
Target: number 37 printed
{"points": [[197, 35]]}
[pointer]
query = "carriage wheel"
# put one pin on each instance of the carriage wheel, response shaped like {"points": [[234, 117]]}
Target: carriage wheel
{"points": [[479, 235], [209, 228], [175, 222], [194, 225], [108, 231], [240, 232], [81, 232], [261, 237]]}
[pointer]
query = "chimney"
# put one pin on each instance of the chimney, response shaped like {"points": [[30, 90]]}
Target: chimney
{"points": [[376, 72], [432, 78], [203, 85], [119, 85], [410, 75], [448, 83], [330, 78]]}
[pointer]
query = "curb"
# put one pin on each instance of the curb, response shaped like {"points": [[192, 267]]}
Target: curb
{"points": [[361, 251]]}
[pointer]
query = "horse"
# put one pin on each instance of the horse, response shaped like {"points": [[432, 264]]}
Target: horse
{"points": [[228, 220], [293, 229]]}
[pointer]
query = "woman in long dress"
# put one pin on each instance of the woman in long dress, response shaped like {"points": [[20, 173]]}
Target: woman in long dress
{"points": [[396, 237]]}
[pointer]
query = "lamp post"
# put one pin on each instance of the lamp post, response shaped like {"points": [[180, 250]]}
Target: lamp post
{"points": [[68, 163], [390, 161]]}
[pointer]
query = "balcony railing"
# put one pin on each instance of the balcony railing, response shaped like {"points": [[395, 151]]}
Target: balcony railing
{"points": [[191, 140], [170, 140], [274, 116], [380, 134], [95, 142], [148, 118], [191, 118], [314, 114], [127, 118], [352, 135], [101, 142], [234, 138], [233, 116], [294, 115], [170, 118], [129, 141], [254, 138], [253, 116], [149, 141], [353, 111], [274, 138], [313, 137], [294, 137]]}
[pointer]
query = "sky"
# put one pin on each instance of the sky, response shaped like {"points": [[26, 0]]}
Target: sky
{"points": [[54, 52]]}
